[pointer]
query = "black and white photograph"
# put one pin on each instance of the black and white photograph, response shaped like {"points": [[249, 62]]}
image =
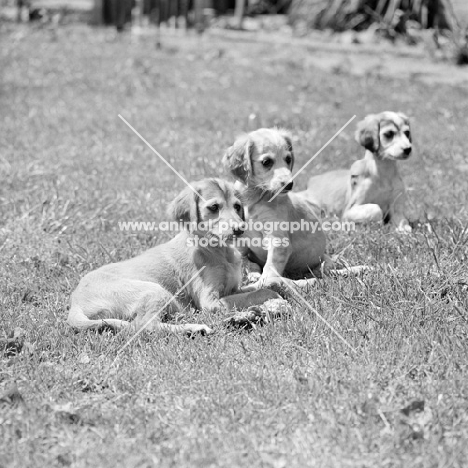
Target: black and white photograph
{"points": [[234, 233]]}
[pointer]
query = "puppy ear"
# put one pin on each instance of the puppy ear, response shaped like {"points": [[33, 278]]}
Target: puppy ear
{"points": [[237, 158], [367, 133], [185, 207], [288, 138]]}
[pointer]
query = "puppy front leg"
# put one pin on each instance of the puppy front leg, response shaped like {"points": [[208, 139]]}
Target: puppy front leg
{"points": [[356, 209], [277, 258], [210, 300], [244, 300], [370, 212], [397, 213], [401, 223]]}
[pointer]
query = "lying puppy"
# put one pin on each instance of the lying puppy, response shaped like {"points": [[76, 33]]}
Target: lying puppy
{"points": [[262, 163], [144, 286], [372, 190]]}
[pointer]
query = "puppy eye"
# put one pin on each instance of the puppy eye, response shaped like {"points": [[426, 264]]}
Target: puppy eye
{"points": [[407, 134], [267, 162], [288, 159], [237, 207], [389, 134], [214, 208]]}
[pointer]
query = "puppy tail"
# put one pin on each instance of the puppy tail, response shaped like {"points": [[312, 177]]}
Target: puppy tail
{"points": [[79, 320]]}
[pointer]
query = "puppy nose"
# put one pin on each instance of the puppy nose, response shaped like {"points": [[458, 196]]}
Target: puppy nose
{"points": [[238, 231], [407, 150], [289, 186]]}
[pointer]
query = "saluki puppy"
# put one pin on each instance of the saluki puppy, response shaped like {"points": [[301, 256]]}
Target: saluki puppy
{"points": [[143, 288], [372, 190], [262, 162]]}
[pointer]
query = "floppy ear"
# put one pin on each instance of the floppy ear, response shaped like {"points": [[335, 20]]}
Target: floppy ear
{"points": [[367, 133], [185, 207], [237, 158], [288, 138]]}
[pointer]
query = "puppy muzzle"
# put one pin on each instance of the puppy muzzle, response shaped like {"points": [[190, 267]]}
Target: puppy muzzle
{"points": [[405, 153], [238, 231], [288, 187], [230, 228], [282, 185]]}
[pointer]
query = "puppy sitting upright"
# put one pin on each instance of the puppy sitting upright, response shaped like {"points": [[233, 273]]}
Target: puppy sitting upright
{"points": [[372, 190], [262, 163], [205, 274]]}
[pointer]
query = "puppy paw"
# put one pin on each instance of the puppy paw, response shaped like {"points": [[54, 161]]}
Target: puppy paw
{"points": [[259, 315], [270, 281], [195, 329], [277, 308], [249, 318], [404, 228]]}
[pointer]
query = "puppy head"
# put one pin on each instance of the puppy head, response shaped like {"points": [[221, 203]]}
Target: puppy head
{"points": [[262, 159], [214, 209], [387, 135]]}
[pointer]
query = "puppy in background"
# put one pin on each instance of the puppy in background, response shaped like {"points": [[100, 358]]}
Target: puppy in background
{"points": [[143, 289], [372, 190]]}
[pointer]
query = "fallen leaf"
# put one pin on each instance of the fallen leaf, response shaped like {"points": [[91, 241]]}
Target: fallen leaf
{"points": [[12, 396], [416, 405], [67, 412], [14, 342]]}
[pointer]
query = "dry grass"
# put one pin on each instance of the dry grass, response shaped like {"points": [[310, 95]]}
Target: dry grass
{"points": [[289, 394]]}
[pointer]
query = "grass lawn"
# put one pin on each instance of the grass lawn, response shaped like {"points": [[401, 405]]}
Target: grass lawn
{"points": [[289, 394]]}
